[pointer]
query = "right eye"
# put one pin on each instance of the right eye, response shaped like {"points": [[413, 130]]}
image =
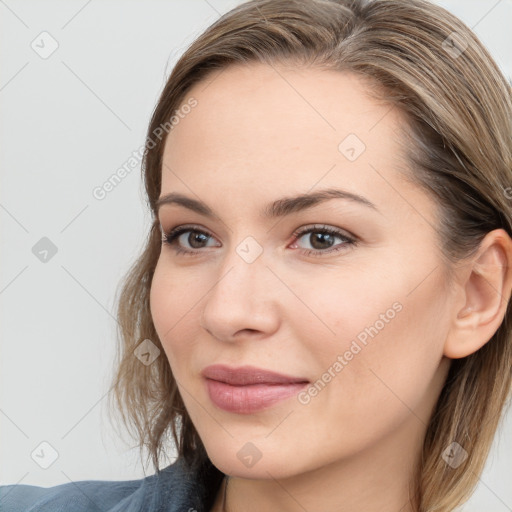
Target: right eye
{"points": [[196, 237]]}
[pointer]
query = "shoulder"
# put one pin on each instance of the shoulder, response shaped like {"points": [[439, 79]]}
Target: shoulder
{"points": [[172, 488], [82, 496]]}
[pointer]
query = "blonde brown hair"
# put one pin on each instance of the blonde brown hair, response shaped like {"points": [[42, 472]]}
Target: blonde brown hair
{"points": [[424, 61]]}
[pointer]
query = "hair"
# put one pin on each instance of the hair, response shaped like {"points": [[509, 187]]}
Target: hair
{"points": [[457, 107]]}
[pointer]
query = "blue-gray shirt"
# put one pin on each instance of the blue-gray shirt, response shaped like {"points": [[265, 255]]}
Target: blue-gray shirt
{"points": [[175, 488]]}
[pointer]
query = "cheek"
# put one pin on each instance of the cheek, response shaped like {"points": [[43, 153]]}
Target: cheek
{"points": [[385, 356], [343, 305], [172, 307], [387, 325]]}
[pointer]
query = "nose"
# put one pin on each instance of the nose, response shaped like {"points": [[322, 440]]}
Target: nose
{"points": [[242, 302]]}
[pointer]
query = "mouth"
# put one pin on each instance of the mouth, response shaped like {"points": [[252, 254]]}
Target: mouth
{"points": [[248, 389], [247, 375]]}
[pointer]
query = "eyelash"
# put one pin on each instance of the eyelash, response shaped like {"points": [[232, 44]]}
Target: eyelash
{"points": [[349, 242]]}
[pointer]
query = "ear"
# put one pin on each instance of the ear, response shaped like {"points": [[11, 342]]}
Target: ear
{"points": [[485, 282]]}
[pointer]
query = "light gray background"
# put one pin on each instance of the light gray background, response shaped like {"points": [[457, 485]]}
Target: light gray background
{"points": [[68, 123]]}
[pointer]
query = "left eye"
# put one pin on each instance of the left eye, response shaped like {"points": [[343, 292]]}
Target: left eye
{"points": [[322, 239]]}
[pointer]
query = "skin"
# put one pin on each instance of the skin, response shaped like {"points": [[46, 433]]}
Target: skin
{"points": [[260, 133]]}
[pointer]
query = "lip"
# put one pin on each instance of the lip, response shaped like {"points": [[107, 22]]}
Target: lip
{"points": [[246, 375], [248, 389]]}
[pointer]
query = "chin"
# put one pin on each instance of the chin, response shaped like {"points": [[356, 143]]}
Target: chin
{"points": [[262, 470], [255, 460]]}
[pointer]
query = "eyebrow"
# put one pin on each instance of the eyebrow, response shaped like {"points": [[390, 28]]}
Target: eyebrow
{"points": [[278, 208]]}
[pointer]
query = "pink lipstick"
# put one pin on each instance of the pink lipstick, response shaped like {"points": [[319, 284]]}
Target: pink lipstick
{"points": [[247, 389]]}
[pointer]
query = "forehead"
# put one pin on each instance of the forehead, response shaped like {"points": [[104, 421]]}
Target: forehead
{"points": [[279, 106], [283, 129]]}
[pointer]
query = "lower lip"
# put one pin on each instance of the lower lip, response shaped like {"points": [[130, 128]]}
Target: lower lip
{"points": [[250, 398]]}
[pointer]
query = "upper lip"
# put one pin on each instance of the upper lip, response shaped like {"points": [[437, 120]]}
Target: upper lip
{"points": [[245, 375]]}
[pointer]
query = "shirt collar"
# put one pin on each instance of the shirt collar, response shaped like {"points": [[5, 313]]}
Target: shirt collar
{"points": [[180, 487]]}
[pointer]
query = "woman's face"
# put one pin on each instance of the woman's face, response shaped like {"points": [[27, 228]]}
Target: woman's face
{"points": [[364, 322]]}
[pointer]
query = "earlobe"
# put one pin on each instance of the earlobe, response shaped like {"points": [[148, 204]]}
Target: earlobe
{"points": [[485, 291]]}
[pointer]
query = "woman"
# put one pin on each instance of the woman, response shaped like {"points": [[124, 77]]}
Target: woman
{"points": [[320, 316]]}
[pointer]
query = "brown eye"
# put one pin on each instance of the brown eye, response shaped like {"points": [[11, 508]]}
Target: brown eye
{"points": [[322, 239], [196, 239]]}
